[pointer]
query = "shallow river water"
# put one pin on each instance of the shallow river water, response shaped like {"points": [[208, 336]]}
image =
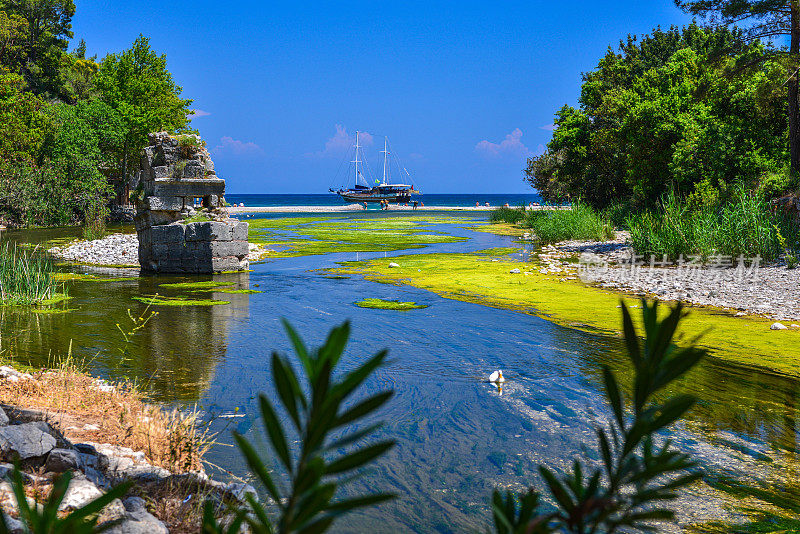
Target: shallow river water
{"points": [[457, 437]]}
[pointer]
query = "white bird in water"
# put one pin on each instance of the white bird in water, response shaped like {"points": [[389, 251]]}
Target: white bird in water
{"points": [[497, 377]]}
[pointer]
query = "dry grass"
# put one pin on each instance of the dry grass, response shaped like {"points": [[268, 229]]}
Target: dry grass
{"points": [[84, 409]]}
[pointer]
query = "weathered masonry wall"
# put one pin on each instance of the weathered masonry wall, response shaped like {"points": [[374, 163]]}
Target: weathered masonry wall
{"points": [[197, 247], [178, 186]]}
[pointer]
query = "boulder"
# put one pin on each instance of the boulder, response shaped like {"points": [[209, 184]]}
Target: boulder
{"points": [[3, 417], [24, 441], [393, 265], [79, 493], [778, 326], [514, 271], [138, 520], [60, 460]]}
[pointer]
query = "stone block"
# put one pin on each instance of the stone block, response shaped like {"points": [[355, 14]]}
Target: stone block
{"points": [[188, 187], [161, 172], [225, 264], [168, 233], [209, 231], [209, 166], [193, 171], [168, 154], [164, 203], [240, 231], [221, 249]]}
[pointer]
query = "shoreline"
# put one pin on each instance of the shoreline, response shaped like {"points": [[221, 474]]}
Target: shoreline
{"points": [[356, 208]]}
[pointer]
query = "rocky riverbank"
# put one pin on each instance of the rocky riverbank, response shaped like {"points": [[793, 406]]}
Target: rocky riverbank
{"points": [[118, 250], [745, 286], [47, 442]]}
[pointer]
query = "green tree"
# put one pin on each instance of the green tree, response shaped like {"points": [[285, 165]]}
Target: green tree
{"points": [[765, 19], [672, 111], [13, 38], [49, 29], [138, 86]]}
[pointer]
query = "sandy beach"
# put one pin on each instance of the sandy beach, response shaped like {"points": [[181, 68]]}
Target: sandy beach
{"points": [[236, 210]]}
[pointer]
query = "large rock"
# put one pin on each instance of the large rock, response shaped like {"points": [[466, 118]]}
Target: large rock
{"points": [[138, 520], [24, 441], [60, 460], [79, 493], [3, 417]]}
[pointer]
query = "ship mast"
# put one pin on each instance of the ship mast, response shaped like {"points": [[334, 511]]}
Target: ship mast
{"points": [[356, 160], [385, 156]]}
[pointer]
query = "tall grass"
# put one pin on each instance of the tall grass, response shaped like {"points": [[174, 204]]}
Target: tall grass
{"points": [[580, 222], [25, 277], [744, 226], [507, 215]]}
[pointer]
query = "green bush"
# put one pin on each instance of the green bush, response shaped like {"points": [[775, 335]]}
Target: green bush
{"points": [[640, 471], [579, 222]]}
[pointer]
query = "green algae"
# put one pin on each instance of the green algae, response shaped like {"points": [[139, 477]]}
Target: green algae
{"points": [[473, 278], [178, 301], [52, 311], [81, 277], [304, 236], [238, 291], [195, 285], [55, 299], [498, 251], [381, 304]]}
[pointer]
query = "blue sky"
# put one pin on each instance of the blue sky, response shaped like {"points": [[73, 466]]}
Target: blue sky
{"points": [[464, 91]]}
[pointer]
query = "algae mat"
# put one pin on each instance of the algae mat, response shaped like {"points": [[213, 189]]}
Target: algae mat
{"points": [[483, 280], [304, 236]]}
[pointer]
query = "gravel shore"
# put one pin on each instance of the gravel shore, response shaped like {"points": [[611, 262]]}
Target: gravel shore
{"points": [[750, 288], [115, 249]]}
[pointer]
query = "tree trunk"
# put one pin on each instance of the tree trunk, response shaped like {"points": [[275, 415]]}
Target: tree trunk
{"points": [[123, 201], [794, 114]]}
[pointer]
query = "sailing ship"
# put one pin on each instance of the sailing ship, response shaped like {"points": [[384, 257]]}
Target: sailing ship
{"points": [[382, 190]]}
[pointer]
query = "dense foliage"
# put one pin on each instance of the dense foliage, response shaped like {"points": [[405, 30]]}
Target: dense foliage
{"points": [[690, 111], [71, 128]]}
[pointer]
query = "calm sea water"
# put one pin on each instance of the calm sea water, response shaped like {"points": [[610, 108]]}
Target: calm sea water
{"points": [[457, 438], [330, 199]]}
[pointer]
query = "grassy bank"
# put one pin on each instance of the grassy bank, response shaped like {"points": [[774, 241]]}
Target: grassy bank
{"points": [[27, 278], [743, 226], [551, 226], [477, 278], [118, 415]]}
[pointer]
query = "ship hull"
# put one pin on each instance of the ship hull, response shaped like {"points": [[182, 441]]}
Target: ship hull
{"points": [[377, 194]]}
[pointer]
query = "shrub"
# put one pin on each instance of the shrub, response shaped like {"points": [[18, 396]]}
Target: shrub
{"points": [[579, 222], [635, 485]]}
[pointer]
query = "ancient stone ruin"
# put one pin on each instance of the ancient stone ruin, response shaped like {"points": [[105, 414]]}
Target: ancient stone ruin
{"points": [[181, 220]]}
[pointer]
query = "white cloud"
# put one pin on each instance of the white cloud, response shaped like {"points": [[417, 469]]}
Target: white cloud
{"points": [[510, 146], [197, 113], [341, 142], [229, 145], [548, 127]]}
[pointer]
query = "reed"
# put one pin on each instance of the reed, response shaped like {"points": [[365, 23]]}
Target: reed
{"points": [[743, 226], [26, 277], [507, 215], [580, 222]]}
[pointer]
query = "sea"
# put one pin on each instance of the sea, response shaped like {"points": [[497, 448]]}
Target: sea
{"points": [[450, 200]]}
